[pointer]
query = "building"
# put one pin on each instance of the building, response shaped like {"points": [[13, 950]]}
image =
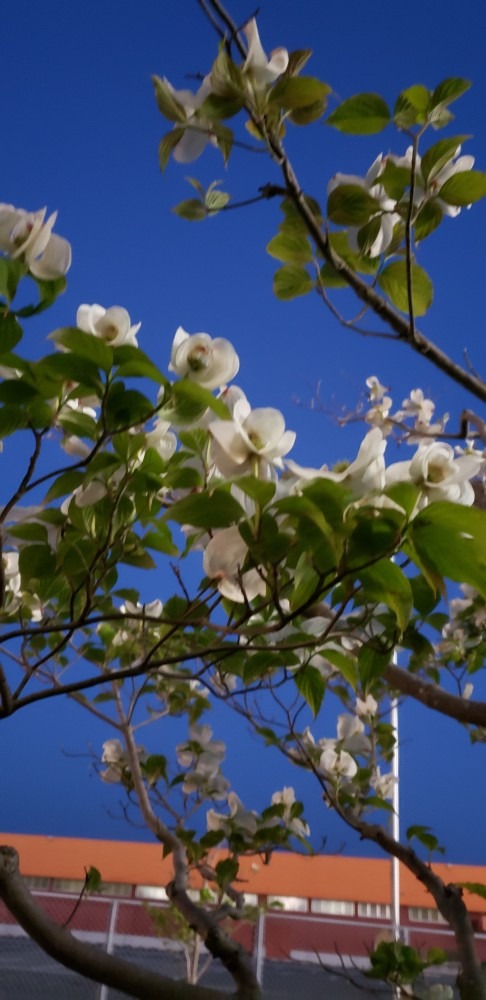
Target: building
{"points": [[326, 906]]}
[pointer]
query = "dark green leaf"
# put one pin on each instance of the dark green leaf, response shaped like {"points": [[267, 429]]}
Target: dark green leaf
{"points": [[351, 205], [309, 114], [11, 272], [450, 539], [312, 687], [167, 145], [192, 210], [385, 582], [10, 331], [86, 345], [290, 93], [363, 114], [133, 361], [206, 510], [166, 102]]}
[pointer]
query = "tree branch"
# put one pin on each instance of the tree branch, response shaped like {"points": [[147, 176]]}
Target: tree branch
{"points": [[234, 958], [87, 959], [461, 709]]}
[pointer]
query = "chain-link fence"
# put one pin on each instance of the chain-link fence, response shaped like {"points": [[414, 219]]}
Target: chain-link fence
{"points": [[295, 955]]}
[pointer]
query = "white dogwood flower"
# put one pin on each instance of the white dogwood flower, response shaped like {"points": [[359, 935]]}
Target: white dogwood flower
{"points": [[223, 558], [250, 435], [240, 820], [111, 325], [263, 70], [198, 133], [28, 235], [211, 362], [162, 439], [338, 763], [365, 475], [438, 472], [294, 825]]}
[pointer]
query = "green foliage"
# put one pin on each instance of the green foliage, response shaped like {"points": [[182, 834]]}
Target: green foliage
{"points": [[394, 283], [363, 114], [291, 281]]}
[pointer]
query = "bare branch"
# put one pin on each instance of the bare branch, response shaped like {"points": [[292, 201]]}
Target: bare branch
{"points": [[86, 959]]}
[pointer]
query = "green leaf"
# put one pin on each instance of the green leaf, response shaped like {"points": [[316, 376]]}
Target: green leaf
{"points": [[368, 234], [291, 281], [426, 221], [70, 367], [192, 392], [215, 107], [167, 144], [36, 561], [306, 583], [412, 106], [394, 179], [66, 483], [17, 391], [464, 188], [11, 272], [351, 205], [393, 282], [476, 888], [345, 664], [260, 491], [363, 114], [12, 418], [290, 247], [422, 834], [309, 114], [226, 871], [386, 582], [290, 93], [93, 880], [10, 331], [161, 539], [439, 154], [132, 360], [425, 598], [312, 687], [86, 345], [192, 210], [206, 510], [297, 60], [216, 200], [449, 90], [166, 102], [227, 79], [126, 407], [450, 539]]}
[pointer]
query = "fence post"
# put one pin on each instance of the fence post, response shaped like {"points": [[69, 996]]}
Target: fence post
{"points": [[259, 949], [110, 942]]}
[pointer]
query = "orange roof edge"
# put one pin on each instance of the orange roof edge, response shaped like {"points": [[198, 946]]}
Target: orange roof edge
{"points": [[317, 876]]}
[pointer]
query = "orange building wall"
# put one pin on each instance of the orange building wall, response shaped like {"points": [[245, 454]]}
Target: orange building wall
{"points": [[321, 877]]}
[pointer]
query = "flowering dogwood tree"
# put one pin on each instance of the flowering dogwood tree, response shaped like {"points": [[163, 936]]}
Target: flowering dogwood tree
{"points": [[310, 578]]}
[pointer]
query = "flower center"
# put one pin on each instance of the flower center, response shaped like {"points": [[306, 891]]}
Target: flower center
{"points": [[199, 358]]}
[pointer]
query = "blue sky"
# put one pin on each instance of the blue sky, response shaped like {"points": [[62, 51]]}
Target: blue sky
{"points": [[80, 132]]}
